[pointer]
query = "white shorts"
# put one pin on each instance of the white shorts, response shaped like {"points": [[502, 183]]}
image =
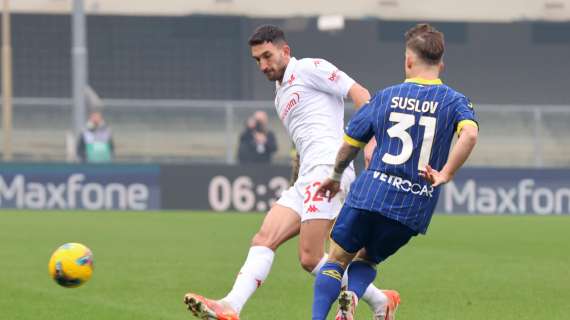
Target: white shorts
{"points": [[302, 197]]}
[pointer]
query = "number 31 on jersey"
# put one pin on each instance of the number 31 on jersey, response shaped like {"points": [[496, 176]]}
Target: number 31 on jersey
{"points": [[403, 122]]}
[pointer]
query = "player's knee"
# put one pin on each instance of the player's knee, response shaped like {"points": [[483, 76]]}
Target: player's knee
{"points": [[309, 262], [265, 239], [366, 261]]}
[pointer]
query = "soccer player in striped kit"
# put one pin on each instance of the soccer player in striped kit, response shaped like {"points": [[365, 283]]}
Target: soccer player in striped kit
{"points": [[394, 199]]}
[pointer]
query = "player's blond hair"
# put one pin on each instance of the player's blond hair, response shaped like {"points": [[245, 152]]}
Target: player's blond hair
{"points": [[427, 42]]}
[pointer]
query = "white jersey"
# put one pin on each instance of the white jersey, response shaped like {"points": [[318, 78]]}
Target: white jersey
{"points": [[310, 103]]}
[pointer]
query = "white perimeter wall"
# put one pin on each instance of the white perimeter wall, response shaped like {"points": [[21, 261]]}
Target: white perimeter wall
{"points": [[448, 10]]}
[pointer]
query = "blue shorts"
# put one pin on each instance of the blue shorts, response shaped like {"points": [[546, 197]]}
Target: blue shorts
{"points": [[380, 236]]}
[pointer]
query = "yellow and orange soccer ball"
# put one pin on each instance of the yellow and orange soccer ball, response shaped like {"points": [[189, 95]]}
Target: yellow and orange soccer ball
{"points": [[71, 265]]}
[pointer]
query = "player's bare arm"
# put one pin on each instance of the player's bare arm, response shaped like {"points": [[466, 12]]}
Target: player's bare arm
{"points": [[345, 155], [459, 154], [361, 96], [368, 151]]}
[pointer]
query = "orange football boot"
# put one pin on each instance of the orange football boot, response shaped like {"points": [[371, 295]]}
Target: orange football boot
{"points": [[392, 306]]}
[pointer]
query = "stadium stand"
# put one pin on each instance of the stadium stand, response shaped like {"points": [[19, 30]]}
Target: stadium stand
{"points": [[196, 57]]}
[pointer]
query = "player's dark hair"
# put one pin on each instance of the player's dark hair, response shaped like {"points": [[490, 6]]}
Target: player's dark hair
{"points": [[427, 42], [267, 33]]}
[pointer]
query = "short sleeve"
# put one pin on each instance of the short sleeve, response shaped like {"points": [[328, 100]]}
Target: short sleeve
{"points": [[360, 127], [324, 76], [464, 114]]}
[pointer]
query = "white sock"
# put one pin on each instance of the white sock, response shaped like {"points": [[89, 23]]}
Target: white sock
{"points": [[375, 298], [344, 281], [320, 264], [252, 274]]}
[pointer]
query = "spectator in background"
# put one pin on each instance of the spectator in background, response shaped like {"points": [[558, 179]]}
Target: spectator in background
{"points": [[95, 144], [257, 143]]}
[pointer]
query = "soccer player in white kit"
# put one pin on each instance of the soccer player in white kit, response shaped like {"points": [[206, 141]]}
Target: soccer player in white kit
{"points": [[310, 102]]}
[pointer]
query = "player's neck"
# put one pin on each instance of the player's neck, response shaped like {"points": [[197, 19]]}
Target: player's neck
{"points": [[424, 73], [287, 60]]}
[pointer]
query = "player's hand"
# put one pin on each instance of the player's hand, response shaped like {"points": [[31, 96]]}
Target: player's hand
{"points": [[368, 151], [434, 177], [329, 188]]}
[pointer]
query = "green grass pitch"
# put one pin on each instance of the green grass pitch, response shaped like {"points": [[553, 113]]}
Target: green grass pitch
{"points": [[467, 267]]}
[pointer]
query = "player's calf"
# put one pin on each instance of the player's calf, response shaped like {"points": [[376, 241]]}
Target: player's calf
{"points": [[312, 238]]}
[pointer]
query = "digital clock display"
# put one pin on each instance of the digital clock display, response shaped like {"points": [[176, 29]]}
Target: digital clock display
{"points": [[243, 194]]}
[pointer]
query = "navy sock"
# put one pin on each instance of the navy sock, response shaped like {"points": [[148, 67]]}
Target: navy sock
{"points": [[327, 289], [360, 276]]}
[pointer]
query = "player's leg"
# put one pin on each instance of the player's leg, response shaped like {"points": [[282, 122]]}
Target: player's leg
{"points": [[329, 281], [375, 298], [312, 234], [388, 237], [346, 239], [312, 242], [317, 216], [361, 273], [379, 300], [312, 257], [279, 225]]}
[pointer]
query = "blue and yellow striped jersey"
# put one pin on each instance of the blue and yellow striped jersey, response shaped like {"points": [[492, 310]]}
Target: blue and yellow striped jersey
{"points": [[414, 123]]}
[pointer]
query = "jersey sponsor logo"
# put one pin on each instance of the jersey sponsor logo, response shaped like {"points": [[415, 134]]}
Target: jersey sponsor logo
{"points": [[404, 185], [292, 103], [333, 274]]}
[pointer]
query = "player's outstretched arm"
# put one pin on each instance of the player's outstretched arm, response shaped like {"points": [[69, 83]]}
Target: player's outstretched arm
{"points": [[331, 186], [459, 153]]}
